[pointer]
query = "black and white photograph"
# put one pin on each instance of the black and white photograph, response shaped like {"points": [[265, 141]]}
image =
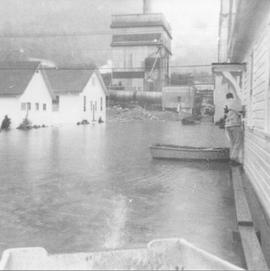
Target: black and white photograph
{"points": [[134, 135]]}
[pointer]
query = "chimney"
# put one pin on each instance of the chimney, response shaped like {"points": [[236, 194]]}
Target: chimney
{"points": [[146, 6]]}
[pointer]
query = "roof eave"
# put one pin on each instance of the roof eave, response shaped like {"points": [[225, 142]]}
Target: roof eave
{"points": [[246, 27], [101, 82]]}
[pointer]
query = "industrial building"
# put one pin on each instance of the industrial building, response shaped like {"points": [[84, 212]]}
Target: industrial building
{"points": [[141, 50]]}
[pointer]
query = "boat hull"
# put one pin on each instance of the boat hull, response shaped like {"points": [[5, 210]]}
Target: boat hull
{"points": [[159, 254], [160, 151]]}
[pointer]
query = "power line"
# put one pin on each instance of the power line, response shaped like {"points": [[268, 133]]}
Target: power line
{"points": [[74, 34], [52, 35], [91, 68]]}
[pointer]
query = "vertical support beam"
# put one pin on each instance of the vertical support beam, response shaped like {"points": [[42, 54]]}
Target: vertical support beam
{"points": [[230, 21], [146, 6]]}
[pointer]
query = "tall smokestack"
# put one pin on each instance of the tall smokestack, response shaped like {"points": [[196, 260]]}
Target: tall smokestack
{"points": [[146, 6]]}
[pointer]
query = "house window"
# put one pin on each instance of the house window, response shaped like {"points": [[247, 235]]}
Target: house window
{"points": [[23, 106], [44, 107], [37, 106], [84, 103], [29, 106], [56, 100], [91, 105], [101, 104], [55, 103]]}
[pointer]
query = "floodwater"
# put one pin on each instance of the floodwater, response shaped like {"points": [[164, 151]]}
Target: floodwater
{"points": [[72, 189]]}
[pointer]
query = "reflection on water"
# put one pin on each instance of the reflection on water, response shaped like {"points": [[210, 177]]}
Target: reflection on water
{"points": [[116, 223], [89, 188]]}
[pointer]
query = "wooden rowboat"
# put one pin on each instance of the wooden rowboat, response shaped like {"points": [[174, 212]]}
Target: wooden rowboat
{"points": [[172, 253], [162, 151]]}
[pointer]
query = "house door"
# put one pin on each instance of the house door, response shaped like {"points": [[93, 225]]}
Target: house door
{"points": [[93, 110]]}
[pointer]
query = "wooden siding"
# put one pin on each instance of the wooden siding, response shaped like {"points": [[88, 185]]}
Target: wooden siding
{"points": [[257, 165], [260, 79], [254, 93]]}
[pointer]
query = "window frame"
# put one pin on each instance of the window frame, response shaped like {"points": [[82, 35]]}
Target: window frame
{"points": [[250, 71], [84, 103], [23, 106], [101, 103]]}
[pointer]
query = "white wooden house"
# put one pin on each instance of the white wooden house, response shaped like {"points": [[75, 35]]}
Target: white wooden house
{"points": [[247, 71], [79, 95], [24, 92], [48, 97]]}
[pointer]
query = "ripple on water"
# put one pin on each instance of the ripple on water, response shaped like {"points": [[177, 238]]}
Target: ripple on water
{"points": [[89, 188]]}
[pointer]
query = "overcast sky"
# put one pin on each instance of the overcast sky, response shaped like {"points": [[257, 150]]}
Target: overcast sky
{"points": [[194, 25], [195, 28]]}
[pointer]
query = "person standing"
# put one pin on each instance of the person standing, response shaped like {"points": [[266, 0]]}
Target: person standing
{"points": [[233, 127], [5, 123]]}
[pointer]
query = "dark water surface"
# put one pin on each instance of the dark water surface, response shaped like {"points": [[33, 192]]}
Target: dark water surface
{"points": [[73, 189]]}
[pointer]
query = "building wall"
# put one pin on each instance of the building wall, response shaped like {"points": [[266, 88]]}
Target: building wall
{"points": [[37, 93], [250, 44], [255, 96], [132, 45], [68, 112], [132, 57], [95, 100], [89, 105]]}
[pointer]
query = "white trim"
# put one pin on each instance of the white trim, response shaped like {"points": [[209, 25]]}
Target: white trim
{"points": [[267, 92], [234, 83]]}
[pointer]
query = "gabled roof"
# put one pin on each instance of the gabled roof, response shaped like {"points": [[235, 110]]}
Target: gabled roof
{"points": [[248, 18], [15, 76], [64, 81], [73, 81], [106, 91], [47, 82]]}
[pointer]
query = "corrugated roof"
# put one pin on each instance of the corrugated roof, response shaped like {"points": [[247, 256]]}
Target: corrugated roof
{"points": [[65, 81], [15, 76]]}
